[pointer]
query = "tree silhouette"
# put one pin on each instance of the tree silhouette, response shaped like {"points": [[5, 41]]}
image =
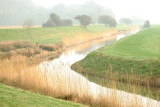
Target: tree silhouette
{"points": [[107, 20], [28, 23], [55, 21], [146, 24], [84, 20]]}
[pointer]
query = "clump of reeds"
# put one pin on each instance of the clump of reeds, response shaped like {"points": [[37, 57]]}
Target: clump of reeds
{"points": [[64, 84]]}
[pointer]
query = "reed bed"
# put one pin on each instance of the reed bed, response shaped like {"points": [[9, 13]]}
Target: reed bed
{"points": [[61, 82]]}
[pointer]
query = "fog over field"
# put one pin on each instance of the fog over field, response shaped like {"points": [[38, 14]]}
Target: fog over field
{"points": [[85, 53], [15, 12], [146, 9]]}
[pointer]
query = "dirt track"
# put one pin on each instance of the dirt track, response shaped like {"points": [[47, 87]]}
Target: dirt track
{"points": [[15, 27]]}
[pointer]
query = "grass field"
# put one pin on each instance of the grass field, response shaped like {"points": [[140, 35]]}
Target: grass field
{"points": [[51, 35], [46, 35], [141, 46], [13, 97], [134, 60]]}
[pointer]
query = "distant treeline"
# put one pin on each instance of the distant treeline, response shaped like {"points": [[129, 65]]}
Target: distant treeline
{"points": [[16, 12], [55, 21], [84, 20]]}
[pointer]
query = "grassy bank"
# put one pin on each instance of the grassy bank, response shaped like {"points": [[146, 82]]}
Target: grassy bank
{"points": [[51, 35], [133, 60], [47, 35], [13, 97]]}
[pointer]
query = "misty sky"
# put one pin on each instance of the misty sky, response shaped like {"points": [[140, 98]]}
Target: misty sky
{"points": [[146, 9]]}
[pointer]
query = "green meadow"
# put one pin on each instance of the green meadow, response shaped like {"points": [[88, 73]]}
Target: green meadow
{"points": [[14, 97], [51, 35], [46, 35]]}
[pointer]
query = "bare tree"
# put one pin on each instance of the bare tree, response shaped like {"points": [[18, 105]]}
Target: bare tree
{"points": [[28, 23]]}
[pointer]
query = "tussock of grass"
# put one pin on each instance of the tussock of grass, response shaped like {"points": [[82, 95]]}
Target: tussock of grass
{"points": [[47, 47]]}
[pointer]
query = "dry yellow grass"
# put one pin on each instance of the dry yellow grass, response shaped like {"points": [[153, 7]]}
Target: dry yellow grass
{"points": [[61, 84], [85, 40], [16, 72], [33, 51], [16, 27]]}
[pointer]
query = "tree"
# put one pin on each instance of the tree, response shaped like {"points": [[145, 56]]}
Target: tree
{"points": [[125, 21], [28, 23], [146, 24], [107, 20], [49, 23], [66, 22], [84, 20], [56, 19]]}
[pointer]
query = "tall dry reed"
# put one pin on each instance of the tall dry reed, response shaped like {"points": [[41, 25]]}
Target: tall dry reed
{"points": [[64, 84]]}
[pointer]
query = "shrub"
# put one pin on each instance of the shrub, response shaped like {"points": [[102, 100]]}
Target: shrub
{"points": [[55, 21], [47, 47], [6, 47], [49, 23], [146, 24]]}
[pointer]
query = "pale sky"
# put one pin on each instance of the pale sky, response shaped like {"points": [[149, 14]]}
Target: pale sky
{"points": [[146, 9]]}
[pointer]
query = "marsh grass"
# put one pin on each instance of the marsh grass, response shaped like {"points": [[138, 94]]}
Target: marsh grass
{"points": [[33, 51], [18, 72]]}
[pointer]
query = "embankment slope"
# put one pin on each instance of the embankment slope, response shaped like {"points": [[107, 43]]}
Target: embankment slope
{"points": [[134, 60]]}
